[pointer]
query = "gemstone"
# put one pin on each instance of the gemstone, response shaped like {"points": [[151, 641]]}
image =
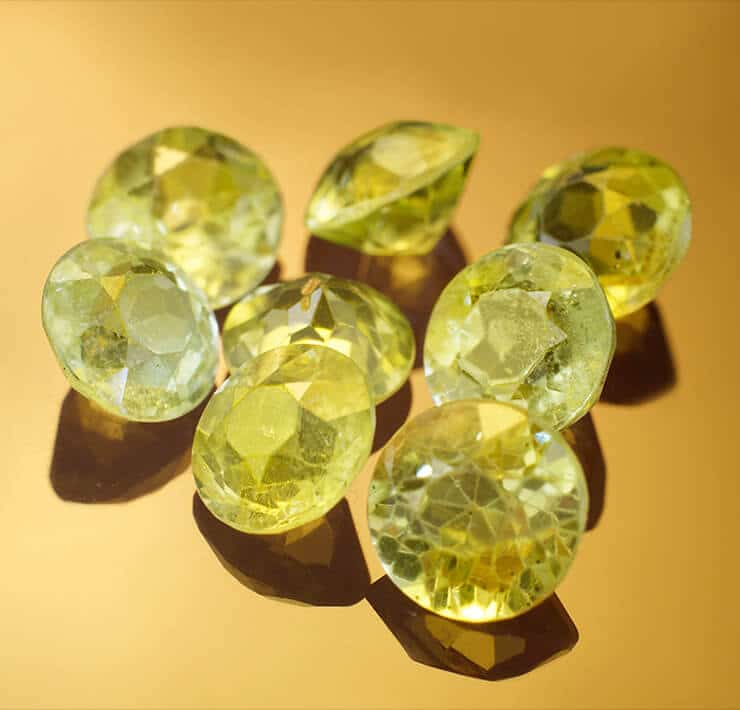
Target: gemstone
{"points": [[625, 212], [393, 190], [475, 511], [493, 651], [347, 316], [282, 439], [130, 330], [527, 324], [207, 202]]}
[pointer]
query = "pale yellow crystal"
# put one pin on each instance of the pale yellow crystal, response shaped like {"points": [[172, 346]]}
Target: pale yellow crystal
{"points": [[475, 512], [282, 439], [348, 316], [527, 324], [130, 330], [625, 212], [393, 190], [207, 202]]}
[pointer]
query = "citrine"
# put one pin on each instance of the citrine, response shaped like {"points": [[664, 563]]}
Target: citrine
{"points": [[348, 316], [130, 330], [527, 324], [207, 202], [393, 190], [625, 212], [282, 439], [475, 511]]}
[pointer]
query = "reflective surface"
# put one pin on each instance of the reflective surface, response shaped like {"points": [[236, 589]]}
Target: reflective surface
{"points": [[127, 605]]}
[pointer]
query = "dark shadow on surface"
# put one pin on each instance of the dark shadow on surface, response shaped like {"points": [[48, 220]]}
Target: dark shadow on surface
{"points": [[643, 367], [492, 651], [271, 278], [583, 438], [412, 282], [320, 563], [391, 414], [99, 458]]}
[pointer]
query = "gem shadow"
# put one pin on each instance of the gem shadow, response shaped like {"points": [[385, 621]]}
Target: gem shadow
{"points": [[491, 651], [584, 440], [101, 458], [390, 415], [319, 564], [413, 282], [643, 367]]}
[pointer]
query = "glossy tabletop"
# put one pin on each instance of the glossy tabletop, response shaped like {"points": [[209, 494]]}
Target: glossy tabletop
{"points": [[117, 587]]}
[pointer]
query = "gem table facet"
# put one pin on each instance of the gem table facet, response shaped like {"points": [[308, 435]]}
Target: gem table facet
{"points": [[475, 511], [350, 317], [527, 324], [625, 212], [393, 190], [131, 331], [207, 202], [282, 439]]}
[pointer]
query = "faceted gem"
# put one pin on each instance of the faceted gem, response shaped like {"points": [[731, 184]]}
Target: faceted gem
{"points": [[348, 316], [626, 213], [209, 204], [282, 439], [527, 324], [475, 511], [493, 651], [131, 331], [393, 190]]}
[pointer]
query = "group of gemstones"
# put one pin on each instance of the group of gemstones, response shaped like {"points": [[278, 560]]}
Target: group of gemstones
{"points": [[476, 506]]}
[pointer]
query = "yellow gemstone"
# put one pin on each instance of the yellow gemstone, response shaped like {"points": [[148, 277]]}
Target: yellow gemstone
{"points": [[527, 324], [393, 190], [282, 439], [347, 316], [626, 213], [131, 332], [207, 202], [475, 512]]}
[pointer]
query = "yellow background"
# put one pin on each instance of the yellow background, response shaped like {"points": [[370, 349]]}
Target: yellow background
{"points": [[125, 605]]}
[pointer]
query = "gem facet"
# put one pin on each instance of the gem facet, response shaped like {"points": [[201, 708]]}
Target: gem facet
{"points": [[626, 213], [348, 316], [527, 324], [209, 204], [393, 190], [282, 439], [475, 512], [131, 331]]}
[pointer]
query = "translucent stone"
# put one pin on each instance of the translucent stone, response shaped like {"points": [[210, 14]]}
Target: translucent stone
{"points": [[527, 324], [348, 316], [282, 439], [475, 512], [393, 190], [626, 213], [207, 202], [131, 331]]}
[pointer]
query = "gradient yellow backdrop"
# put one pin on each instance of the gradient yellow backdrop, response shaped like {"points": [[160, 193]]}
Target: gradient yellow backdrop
{"points": [[125, 604]]}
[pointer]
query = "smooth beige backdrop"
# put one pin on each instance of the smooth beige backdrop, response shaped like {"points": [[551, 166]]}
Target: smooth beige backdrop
{"points": [[125, 604]]}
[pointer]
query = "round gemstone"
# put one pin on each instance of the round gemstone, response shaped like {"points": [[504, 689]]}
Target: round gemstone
{"points": [[527, 324], [476, 512], [625, 212], [393, 190], [347, 316], [209, 204], [130, 330], [282, 439]]}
